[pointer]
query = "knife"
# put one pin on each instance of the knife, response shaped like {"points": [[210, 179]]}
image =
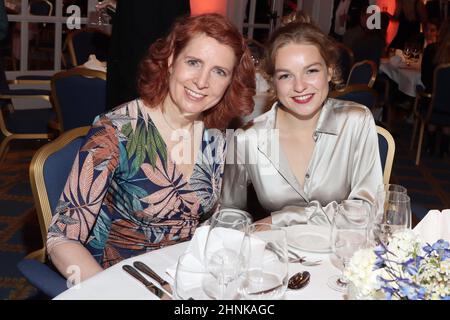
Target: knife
{"points": [[150, 286], [152, 274]]}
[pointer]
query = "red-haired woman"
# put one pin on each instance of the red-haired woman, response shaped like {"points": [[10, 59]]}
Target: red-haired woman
{"points": [[151, 169]]}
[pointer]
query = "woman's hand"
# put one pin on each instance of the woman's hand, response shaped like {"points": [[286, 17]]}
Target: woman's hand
{"points": [[105, 4], [267, 220]]}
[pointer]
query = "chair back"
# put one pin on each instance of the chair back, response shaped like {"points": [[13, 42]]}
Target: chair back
{"points": [[439, 112], [79, 95], [386, 145], [346, 58], [49, 170], [357, 93], [41, 8], [363, 72], [82, 43]]}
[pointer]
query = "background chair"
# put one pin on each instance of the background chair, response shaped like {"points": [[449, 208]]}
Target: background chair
{"points": [[82, 43], [49, 170], [42, 35], [22, 124], [359, 93], [78, 95], [437, 112], [386, 145], [346, 59], [363, 72]]}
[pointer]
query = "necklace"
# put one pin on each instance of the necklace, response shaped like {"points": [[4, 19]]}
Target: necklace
{"points": [[167, 122]]}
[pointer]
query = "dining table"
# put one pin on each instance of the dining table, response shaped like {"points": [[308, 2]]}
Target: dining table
{"points": [[115, 284], [406, 75]]}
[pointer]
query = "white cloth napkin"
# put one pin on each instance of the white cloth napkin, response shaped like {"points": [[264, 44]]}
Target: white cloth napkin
{"points": [[396, 60], [94, 64], [434, 226]]}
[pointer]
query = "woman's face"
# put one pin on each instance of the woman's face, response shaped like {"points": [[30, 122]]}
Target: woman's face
{"points": [[431, 33], [301, 79], [200, 75]]}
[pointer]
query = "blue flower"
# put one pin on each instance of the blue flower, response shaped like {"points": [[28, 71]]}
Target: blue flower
{"points": [[440, 245], [411, 291], [411, 266]]}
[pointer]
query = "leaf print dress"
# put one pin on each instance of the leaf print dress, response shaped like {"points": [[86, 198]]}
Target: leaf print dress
{"points": [[124, 196]]}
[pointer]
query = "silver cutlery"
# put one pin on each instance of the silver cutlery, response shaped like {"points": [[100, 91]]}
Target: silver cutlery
{"points": [[150, 286], [296, 258], [152, 274]]}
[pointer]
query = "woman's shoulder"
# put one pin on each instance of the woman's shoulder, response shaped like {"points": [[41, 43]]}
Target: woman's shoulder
{"points": [[349, 110], [119, 116]]}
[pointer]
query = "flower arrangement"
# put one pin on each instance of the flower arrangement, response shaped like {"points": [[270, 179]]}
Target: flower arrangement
{"points": [[403, 270]]}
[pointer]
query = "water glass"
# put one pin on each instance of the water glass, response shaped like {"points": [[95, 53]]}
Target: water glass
{"points": [[267, 274], [225, 256], [392, 214], [348, 235], [190, 279]]}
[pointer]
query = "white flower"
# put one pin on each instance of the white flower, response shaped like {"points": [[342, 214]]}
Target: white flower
{"points": [[360, 272]]}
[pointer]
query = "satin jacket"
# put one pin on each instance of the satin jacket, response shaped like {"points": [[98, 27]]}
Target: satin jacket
{"points": [[345, 165]]}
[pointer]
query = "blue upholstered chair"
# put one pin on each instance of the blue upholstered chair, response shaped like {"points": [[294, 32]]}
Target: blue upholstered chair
{"points": [[22, 124], [438, 111], [83, 43], [49, 170], [346, 59], [363, 72], [359, 93], [78, 95], [386, 145]]}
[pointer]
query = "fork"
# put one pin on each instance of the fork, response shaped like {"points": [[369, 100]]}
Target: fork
{"points": [[302, 259]]}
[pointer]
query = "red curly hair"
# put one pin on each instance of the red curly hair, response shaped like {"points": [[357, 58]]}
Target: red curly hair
{"points": [[153, 80]]}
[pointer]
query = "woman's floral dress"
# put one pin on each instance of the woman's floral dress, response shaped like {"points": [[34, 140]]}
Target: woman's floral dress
{"points": [[124, 195]]}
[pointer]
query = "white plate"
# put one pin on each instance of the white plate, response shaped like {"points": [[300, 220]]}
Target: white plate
{"points": [[309, 237]]}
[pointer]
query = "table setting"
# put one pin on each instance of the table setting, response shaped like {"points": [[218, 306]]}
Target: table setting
{"points": [[404, 68], [367, 252]]}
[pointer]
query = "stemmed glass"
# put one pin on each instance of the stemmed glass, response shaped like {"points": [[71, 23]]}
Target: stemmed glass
{"points": [[99, 17], [189, 279], [407, 53], [267, 274], [348, 234], [225, 252], [415, 51], [392, 213]]}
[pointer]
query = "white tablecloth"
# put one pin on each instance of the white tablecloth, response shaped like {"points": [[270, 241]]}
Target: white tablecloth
{"points": [[407, 77], [114, 283]]}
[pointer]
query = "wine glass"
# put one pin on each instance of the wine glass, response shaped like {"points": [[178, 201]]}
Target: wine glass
{"points": [[348, 235], [392, 213], [225, 256], [190, 279], [407, 54], [267, 274], [99, 17], [415, 51]]}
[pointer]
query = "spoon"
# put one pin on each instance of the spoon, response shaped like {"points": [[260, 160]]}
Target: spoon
{"points": [[299, 280]]}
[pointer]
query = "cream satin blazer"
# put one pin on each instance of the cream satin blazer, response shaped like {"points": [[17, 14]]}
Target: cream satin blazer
{"points": [[345, 165]]}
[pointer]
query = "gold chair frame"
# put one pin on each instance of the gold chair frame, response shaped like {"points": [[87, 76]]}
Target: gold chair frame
{"points": [[78, 71], [38, 188], [69, 45], [373, 66], [9, 136], [390, 153]]}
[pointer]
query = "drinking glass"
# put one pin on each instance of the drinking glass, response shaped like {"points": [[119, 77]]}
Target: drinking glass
{"points": [[266, 277], [392, 213], [407, 54], [225, 256], [415, 51], [190, 279], [348, 235], [100, 17]]}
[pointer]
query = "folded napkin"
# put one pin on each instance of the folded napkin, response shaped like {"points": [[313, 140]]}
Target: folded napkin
{"points": [[94, 64], [396, 60], [314, 214], [434, 226], [220, 238]]}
